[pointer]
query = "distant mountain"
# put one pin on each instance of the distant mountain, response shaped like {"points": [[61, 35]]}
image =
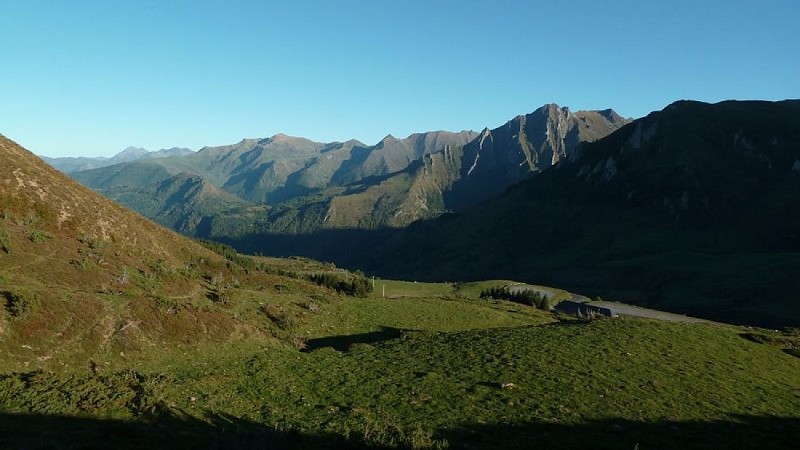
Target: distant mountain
{"points": [[181, 202], [292, 185], [74, 164], [693, 209], [263, 171], [452, 179]]}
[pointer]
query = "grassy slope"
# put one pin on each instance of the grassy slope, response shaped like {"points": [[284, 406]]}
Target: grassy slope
{"points": [[609, 383], [155, 362], [81, 278]]}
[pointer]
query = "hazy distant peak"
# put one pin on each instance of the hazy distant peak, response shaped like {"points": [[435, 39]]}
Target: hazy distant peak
{"points": [[175, 150], [353, 142], [132, 152], [283, 138]]}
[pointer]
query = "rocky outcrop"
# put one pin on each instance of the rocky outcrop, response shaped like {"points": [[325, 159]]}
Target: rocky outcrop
{"points": [[523, 146]]}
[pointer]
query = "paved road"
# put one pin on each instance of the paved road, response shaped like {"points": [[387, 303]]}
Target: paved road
{"points": [[622, 309], [629, 310]]}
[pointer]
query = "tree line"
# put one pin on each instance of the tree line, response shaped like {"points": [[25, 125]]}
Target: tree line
{"points": [[356, 284], [524, 296], [245, 262]]}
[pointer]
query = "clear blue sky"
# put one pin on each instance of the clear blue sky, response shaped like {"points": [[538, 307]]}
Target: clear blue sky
{"points": [[93, 77]]}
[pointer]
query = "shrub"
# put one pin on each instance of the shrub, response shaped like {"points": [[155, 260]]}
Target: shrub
{"points": [[309, 306], [20, 303], [168, 305], [123, 276], [82, 264], [91, 242], [189, 270], [5, 242], [219, 295], [39, 236], [147, 281], [299, 342], [279, 315]]}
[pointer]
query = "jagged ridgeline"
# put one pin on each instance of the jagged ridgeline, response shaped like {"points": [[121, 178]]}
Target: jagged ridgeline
{"points": [[296, 186], [694, 209]]}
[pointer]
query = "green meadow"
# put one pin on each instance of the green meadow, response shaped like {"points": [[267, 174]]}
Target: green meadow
{"points": [[426, 366]]}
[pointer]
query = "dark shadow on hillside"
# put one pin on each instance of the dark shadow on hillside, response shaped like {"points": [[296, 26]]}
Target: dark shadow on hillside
{"points": [[722, 294], [739, 432], [170, 430], [345, 247], [219, 431], [343, 343]]}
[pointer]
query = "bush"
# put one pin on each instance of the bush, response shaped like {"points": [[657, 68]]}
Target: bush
{"points": [[168, 305], [20, 303], [279, 315], [82, 264], [147, 281], [91, 242], [220, 295], [309, 306], [5, 242], [39, 236], [298, 341]]}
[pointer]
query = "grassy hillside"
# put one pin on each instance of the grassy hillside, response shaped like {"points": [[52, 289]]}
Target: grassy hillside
{"points": [[83, 278], [428, 369], [181, 202], [117, 332]]}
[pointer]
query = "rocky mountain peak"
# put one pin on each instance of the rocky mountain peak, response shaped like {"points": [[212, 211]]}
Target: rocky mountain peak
{"points": [[611, 115], [552, 110]]}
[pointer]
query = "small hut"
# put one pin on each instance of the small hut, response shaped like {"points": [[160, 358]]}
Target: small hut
{"points": [[583, 309]]}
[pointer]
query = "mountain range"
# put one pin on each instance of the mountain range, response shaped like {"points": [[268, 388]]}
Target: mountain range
{"points": [[292, 185], [75, 164], [115, 331], [692, 209]]}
